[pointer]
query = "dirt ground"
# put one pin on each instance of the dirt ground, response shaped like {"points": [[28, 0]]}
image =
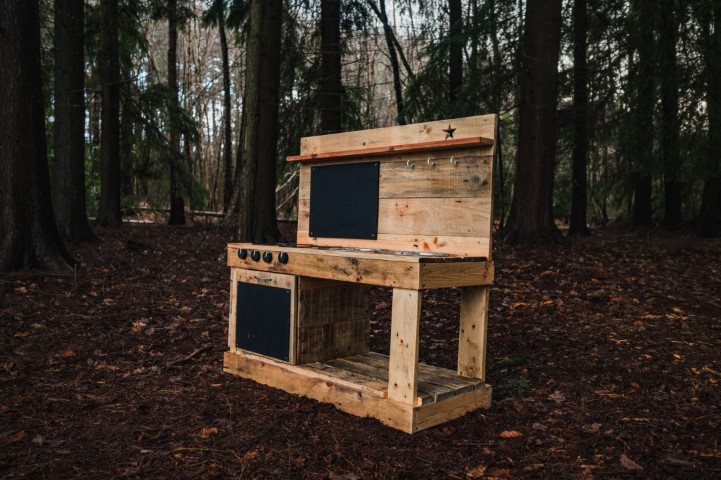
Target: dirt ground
{"points": [[604, 358]]}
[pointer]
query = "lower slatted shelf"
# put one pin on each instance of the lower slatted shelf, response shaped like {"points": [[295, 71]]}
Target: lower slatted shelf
{"points": [[371, 371]]}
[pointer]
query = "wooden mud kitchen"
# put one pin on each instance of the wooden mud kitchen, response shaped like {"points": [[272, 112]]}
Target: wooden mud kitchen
{"points": [[406, 207]]}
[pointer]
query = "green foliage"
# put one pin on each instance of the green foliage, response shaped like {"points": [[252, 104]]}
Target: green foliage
{"points": [[511, 386]]}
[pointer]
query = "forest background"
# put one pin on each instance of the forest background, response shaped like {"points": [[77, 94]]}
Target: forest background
{"points": [[609, 111]]}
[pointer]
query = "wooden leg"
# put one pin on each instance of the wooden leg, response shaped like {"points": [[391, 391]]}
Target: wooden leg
{"points": [[233, 309], [403, 365], [472, 341]]}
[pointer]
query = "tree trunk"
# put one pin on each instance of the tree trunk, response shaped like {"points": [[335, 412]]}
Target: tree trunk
{"points": [[253, 214], [109, 209], [670, 125], [69, 133], [455, 51], [531, 218], [579, 184], [28, 235], [227, 112], [395, 67], [331, 88], [177, 204], [708, 218], [642, 114]]}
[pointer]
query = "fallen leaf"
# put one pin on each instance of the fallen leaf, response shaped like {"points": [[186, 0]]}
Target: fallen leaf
{"points": [[498, 473], [206, 432], [557, 397], [510, 434], [68, 354], [476, 472], [629, 464], [17, 437]]}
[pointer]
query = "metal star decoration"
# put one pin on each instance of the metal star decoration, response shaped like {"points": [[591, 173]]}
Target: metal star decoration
{"points": [[449, 131]]}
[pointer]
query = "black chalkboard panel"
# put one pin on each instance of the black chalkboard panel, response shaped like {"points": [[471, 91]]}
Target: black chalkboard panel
{"points": [[263, 320], [344, 201]]}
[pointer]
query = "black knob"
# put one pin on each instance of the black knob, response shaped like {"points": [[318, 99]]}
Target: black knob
{"points": [[255, 255], [267, 257], [283, 257], [242, 254]]}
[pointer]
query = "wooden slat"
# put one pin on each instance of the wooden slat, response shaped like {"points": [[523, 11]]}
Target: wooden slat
{"points": [[457, 246], [470, 177], [443, 275], [434, 414], [389, 273], [365, 383], [478, 126], [472, 341], [372, 152], [233, 314], [463, 217], [442, 381], [403, 362]]}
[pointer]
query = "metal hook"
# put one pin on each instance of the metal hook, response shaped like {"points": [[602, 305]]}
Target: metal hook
{"points": [[410, 164], [454, 163], [431, 162]]}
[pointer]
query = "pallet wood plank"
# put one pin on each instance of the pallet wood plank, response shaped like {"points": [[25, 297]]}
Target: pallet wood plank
{"points": [[442, 275], [403, 361], [372, 152], [373, 271], [427, 391], [472, 341], [470, 177], [448, 380], [477, 126], [451, 408], [463, 217], [343, 376]]}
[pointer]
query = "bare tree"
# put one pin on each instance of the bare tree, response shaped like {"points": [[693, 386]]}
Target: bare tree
{"points": [[28, 235], [109, 209], [531, 216]]}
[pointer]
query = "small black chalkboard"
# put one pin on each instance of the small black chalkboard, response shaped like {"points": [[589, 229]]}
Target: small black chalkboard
{"points": [[344, 201], [263, 320]]}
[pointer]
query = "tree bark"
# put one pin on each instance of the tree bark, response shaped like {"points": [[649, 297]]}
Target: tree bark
{"points": [[28, 235], [710, 211], [455, 50], [392, 55], [531, 217], [69, 125], [331, 88], [109, 209], [227, 112], [670, 125], [579, 183], [177, 204], [253, 214], [642, 114]]}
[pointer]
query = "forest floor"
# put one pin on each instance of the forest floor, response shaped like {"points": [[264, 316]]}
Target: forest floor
{"points": [[605, 360]]}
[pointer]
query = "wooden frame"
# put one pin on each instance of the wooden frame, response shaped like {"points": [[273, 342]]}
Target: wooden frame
{"points": [[434, 231]]}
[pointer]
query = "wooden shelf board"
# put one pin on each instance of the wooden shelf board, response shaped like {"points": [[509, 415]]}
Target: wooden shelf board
{"points": [[394, 149]]}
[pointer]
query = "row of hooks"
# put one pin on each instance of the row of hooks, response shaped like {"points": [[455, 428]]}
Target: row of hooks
{"points": [[431, 162]]}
